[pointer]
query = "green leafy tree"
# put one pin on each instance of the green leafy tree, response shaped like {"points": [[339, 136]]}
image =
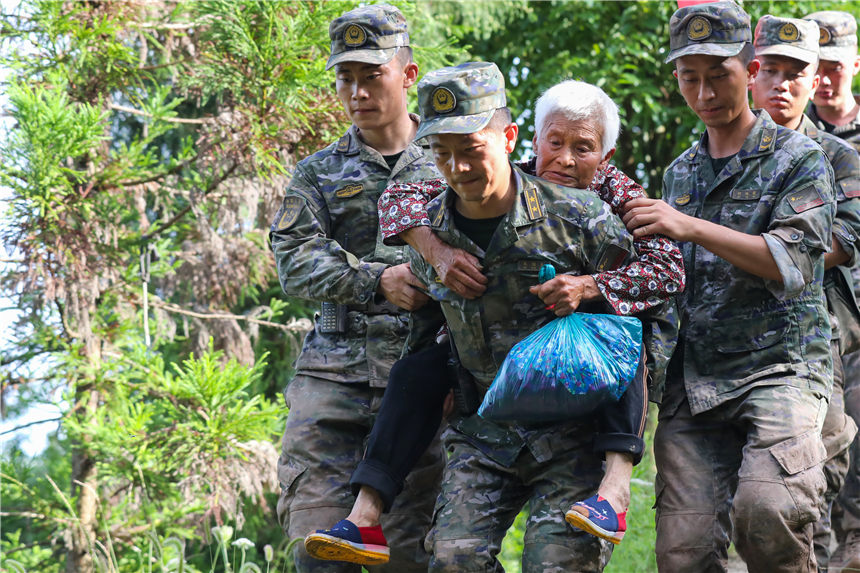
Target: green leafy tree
{"points": [[149, 148]]}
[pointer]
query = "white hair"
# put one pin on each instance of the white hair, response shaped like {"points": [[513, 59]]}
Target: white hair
{"points": [[577, 100]]}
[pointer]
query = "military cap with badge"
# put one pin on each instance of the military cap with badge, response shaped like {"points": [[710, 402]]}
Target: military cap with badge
{"points": [[369, 34], [837, 39], [715, 29], [460, 99], [790, 37]]}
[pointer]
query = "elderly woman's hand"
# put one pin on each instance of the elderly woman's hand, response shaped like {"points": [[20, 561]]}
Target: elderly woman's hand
{"points": [[564, 293], [457, 269]]}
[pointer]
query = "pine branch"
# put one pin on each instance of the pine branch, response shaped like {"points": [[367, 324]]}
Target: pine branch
{"points": [[131, 110], [27, 425]]}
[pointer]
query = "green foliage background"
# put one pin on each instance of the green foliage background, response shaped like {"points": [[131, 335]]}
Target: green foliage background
{"points": [[167, 130]]}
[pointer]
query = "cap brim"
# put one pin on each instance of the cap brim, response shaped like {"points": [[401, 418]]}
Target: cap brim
{"points": [[379, 57], [837, 53], [455, 124], [789, 52], [708, 49]]}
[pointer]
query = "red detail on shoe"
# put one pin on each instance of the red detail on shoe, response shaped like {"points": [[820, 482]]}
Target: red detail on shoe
{"points": [[372, 535], [622, 521]]}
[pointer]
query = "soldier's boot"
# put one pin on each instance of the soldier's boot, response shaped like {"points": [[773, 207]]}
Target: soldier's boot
{"points": [[846, 558]]}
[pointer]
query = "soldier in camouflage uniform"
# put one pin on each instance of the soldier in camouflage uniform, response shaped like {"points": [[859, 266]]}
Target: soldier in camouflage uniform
{"points": [[514, 223], [738, 442], [327, 247], [787, 49], [835, 110]]}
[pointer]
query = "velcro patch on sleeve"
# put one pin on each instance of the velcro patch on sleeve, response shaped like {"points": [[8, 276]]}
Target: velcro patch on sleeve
{"points": [[850, 187], [289, 212], [805, 199]]}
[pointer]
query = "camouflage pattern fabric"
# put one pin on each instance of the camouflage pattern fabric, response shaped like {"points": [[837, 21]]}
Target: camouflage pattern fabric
{"points": [[716, 29], [369, 34], [323, 442], [849, 132], [739, 330], [747, 471], [460, 99], [493, 468], [327, 248], [790, 37], [838, 35], [545, 221]]}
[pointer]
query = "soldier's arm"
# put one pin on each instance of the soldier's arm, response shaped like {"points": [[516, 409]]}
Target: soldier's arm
{"points": [[310, 264], [798, 232], [846, 224], [403, 217]]}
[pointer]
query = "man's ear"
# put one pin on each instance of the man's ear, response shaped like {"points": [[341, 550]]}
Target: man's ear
{"points": [[675, 73], [410, 75], [857, 65], [816, 81], [752, 71], [510, 133]]}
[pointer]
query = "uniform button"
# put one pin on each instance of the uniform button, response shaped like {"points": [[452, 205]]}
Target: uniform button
{"points": [[802, 248], [795, 236], [362, 297], [850, 237]]}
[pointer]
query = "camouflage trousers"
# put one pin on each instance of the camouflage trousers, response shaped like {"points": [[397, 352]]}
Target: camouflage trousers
{"points": [[849, 497], [481, 497], [750, 471], [323, 442], [837, 434]]}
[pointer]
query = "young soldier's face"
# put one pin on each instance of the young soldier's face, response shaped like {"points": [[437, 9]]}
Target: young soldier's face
{"points": [[783, 86], [836, 78], [714, 87], [473, 164], [373, 95], [569, 152]]}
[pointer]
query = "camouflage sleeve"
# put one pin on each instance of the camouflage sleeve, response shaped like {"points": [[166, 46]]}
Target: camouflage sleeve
{"points": [[656, 274], [402, 207], [311, 265], [605, 243], [846, 224], [424, 323], [800, 228]]}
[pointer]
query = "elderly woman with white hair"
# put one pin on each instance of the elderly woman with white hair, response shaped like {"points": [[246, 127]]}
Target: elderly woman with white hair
{"points": [[576, 128]]}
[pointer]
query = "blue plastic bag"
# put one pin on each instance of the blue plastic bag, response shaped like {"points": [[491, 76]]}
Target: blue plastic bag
{"points": [[565, 369]]}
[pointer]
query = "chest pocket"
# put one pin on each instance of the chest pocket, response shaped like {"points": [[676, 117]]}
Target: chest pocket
{"points": [[738, 206]]}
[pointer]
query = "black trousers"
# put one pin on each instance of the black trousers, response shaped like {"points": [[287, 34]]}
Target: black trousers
{"points": [[411, 412]]}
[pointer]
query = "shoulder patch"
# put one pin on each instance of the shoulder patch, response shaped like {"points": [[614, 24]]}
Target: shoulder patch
{"points": [[851, 187], [805, 199], [533, 203], [290, 210], [349, 190], [611, 259]]}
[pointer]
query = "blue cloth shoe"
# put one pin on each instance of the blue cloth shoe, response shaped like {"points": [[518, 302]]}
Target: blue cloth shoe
{"points": [[347, 542]]}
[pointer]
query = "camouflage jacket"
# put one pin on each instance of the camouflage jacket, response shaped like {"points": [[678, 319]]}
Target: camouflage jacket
{"points": [[328, 248], [839, 284], [571, 229], [739, 330], [850, 132]]}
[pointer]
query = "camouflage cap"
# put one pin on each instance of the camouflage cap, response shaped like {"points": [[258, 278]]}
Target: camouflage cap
{"points": [[838, 35], [715, 29], [460, 99], [369, 34], [789, 37]]}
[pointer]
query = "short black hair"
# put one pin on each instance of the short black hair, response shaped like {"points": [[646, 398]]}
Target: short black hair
{"points": [[747, 54], [501, 119], [404, 56]]}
